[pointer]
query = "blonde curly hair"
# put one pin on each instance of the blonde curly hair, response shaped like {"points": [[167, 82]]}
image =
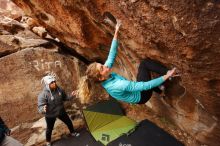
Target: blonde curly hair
{"points": [[88, 82]]}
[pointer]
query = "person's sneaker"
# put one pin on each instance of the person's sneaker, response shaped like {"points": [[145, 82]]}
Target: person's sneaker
{"points": [[75, 134]]}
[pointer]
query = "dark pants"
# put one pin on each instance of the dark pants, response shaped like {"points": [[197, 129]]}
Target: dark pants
{"points": [[144, 74], [51, 121]]}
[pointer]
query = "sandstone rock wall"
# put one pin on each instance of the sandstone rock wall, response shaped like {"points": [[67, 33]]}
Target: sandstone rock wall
{"points": [[182, 33], [24, 59]]}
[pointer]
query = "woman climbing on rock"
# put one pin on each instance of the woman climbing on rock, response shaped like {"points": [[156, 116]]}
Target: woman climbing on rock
{"points": [[138, 92]]}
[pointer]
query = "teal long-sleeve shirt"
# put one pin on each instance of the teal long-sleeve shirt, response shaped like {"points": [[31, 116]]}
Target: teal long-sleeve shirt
{"points": [[122, 89], [112, 54]]}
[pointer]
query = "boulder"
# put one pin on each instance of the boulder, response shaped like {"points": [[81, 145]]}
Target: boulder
{"points": [[21, 75], [184, 34]]}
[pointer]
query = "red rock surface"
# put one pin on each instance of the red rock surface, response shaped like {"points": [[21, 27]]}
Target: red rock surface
{"points": [[181, 33]]}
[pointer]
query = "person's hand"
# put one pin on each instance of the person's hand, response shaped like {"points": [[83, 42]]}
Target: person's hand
{"points": [[170, 73], [117, 26], [45, 108], [74, 93], [8, 132]]}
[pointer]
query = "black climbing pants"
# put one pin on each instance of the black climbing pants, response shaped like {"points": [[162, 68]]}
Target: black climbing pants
{"points": [[144, 74], [51, 121]]}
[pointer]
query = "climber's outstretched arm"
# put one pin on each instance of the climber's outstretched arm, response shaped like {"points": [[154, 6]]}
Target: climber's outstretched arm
{"points": [[114, 47], [117, 29]]}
